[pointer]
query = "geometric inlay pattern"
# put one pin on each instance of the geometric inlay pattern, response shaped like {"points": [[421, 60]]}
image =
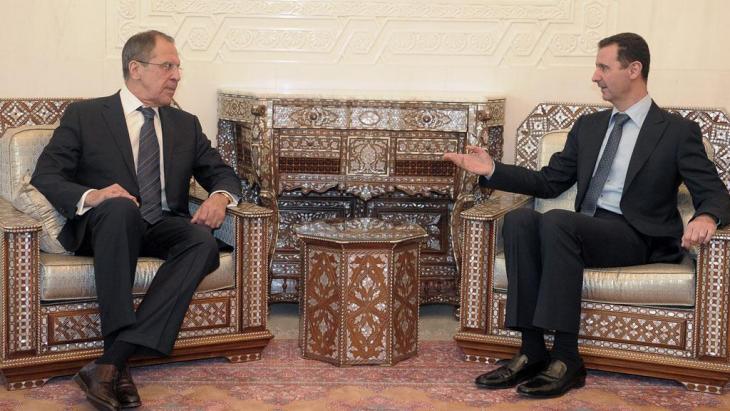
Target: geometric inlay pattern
{"points": [[474, 292], [207, 314], [405, 302], [617, 327], [315, 158], [428, 221], [19, 296], [714, 292], [361, 295], [72, 328], [367, 316], [367, 156], [16, 113], [651, 331], [322, 304]]}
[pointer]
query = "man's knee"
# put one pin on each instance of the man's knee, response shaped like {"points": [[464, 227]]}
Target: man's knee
{"points": [[206, 246], [119, 207], [558, 221], [520, 221], [115, 216]]}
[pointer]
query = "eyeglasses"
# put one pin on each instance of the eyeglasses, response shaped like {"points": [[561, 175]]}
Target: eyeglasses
{"points": [[166, 66]]}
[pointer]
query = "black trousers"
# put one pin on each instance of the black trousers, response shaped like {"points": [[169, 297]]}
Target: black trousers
{"points": [[545, 255], [116, 236]]}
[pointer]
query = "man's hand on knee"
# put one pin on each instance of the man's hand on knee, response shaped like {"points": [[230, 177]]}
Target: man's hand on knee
{"points": [[96, 197], [212, 212]]}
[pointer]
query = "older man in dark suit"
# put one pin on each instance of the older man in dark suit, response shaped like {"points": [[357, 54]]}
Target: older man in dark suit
{"points": [[628, 164], [118, 168]]}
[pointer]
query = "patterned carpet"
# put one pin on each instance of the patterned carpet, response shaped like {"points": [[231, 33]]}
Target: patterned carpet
{"points": [[437, 379]]}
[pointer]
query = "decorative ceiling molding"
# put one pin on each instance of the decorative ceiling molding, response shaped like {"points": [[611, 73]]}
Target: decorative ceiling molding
{"points": [[399, 32]]}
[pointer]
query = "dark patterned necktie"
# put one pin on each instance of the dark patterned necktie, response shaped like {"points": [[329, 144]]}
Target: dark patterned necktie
{"points": [[148, 169], [595, 188]]}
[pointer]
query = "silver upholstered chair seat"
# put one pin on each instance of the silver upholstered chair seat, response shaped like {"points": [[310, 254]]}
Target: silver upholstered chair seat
{"points": [[645, 285], [66, 277]]}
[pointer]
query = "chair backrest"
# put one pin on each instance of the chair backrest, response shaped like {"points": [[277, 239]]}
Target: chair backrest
{"points": [[551, 143], [554, 141], [19, 151]]}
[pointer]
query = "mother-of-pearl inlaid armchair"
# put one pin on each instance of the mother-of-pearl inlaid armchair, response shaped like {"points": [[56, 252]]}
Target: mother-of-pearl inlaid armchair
{"points": [[49, 319], [661, 320]]}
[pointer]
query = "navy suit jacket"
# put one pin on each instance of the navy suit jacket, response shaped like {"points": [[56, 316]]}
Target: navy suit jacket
{"points": [[91, 149], [668, 151]]}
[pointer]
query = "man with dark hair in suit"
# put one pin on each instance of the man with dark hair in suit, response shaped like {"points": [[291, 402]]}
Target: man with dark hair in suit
{"points": [[118, 168], [628, 164]]}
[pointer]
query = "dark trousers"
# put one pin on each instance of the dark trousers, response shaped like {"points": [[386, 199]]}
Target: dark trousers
{"points": [[116, 236], [545, 255]]}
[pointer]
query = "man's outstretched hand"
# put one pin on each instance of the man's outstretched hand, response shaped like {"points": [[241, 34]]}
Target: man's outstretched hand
{"points": [[476, 160]]}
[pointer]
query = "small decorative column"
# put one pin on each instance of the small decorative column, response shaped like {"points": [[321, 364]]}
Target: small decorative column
{"points": [[360, 288]]}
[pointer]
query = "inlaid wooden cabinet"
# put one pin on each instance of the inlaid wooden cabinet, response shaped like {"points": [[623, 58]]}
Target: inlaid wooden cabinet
{"points": [[320, 158]]}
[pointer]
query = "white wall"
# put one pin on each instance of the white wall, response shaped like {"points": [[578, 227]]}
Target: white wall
{"points": [[526, 50]]}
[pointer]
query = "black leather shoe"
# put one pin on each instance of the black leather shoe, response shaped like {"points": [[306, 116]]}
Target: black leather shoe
{"points": [[554, 381], [127, 394], [511, 374], [99, 382]]}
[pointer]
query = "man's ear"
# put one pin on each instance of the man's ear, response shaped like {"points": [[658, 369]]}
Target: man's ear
{"points": [[134, 67], [635, 69]]}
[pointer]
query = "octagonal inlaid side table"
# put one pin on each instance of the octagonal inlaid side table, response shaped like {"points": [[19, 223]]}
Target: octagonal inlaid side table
{"points": [[359, 301]]}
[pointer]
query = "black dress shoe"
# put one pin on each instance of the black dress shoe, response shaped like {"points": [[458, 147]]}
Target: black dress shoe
{"points": [[506, 376], [99, 382], [127, 394], [554, 381]]}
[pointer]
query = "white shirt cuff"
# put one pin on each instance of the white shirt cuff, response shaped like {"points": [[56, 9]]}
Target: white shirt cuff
{"points": [[80, 209]]}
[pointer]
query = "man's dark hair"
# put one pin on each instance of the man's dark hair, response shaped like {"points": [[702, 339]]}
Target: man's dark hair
{"points": [[139, 47], [631, 47]]}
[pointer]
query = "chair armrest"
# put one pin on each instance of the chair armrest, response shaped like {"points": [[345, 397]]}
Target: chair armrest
{"points": [[243, 209], [19, 282], [713, 298], [479, 247], [498, 204], [12, 220], [247, 228]]}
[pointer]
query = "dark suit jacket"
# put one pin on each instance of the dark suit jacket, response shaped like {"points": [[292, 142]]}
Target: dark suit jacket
{"points": [[668, 151], [91, 149]]}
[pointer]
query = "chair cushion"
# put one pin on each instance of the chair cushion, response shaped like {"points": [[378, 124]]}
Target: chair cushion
{"points": [[19, 151], [551, 143], [69, 277], [30, 201], [645, 285], [20, 148]]}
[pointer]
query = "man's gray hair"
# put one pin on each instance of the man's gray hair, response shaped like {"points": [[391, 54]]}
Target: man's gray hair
{"points": [[139, 47]]}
